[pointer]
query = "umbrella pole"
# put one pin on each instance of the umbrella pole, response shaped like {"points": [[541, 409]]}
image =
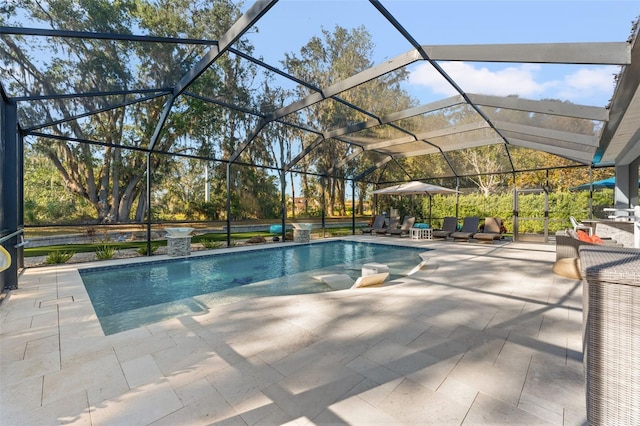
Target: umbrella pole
{"points": [[430, 220], [590, 193]]}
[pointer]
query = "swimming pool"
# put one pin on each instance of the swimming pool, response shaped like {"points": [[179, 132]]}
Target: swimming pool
{"points": [[129, 296]]}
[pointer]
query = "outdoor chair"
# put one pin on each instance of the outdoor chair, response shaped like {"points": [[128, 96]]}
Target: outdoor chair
{"points": [[578, 225], [469, 228], [394, 222], [491, 230], [378, 222], [449, 226], [373, 280], [407, 224]]}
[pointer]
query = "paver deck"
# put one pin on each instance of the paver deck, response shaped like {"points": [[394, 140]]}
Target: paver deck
{"points": [[483, 334]]}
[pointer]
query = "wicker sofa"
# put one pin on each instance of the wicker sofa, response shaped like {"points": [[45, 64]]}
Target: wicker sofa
{"points": [[611, 293]]}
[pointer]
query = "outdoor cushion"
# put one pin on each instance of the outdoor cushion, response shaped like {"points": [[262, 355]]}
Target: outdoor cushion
{"points": [[583, 236]]}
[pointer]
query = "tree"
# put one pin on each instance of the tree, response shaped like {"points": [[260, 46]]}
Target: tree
{"points": [[325, 60], [109, 176], [46, 199]]}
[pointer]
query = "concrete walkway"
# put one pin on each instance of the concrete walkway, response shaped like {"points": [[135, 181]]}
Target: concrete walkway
{"points": [[484, 334]]}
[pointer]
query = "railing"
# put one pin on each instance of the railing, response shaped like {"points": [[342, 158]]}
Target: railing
{"points": [[11, 235]]}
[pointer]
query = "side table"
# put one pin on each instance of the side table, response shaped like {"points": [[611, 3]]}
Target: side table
{"points": [[421, 233]]}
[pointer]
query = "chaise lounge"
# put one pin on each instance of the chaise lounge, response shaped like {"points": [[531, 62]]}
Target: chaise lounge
{"points": [[378, 223], [491, 231], [407, 224], [448, 227], [469, 228], [394, 222]]}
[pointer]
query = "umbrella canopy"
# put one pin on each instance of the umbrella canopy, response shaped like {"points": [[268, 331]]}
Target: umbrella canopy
{"points": [[415, 188], [598, 184]]}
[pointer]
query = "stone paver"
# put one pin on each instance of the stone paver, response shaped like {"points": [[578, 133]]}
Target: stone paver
{"points": [[482, 334]]}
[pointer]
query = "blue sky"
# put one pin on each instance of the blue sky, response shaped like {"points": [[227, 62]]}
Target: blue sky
{"points": [[291, 23]]}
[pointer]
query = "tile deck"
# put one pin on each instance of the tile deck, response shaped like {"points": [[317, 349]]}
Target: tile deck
{"points": [[483, 334]]}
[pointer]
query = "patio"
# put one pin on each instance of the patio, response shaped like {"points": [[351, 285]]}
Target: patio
{"points": [[485, 334]]}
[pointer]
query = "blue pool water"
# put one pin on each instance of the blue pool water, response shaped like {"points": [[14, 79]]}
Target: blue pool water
{"points": [[129, 296]]}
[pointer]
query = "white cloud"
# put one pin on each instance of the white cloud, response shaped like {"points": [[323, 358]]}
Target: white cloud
{"points": [[586, 83], [522, 80]]}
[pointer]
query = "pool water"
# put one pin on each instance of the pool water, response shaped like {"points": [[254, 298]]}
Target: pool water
{"points": [[128, 296]]}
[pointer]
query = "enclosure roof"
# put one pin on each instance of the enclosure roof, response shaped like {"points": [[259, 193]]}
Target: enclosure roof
{"points": [[455, 115]]}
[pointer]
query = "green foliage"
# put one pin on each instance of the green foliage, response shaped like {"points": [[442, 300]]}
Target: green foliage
{"points": [[211, 244], [562, 204], [46, 199], [212, 210], [57, 257], [106, 252], [81, 248], [143, 249]]}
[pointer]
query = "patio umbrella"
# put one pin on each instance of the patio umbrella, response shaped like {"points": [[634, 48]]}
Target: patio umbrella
{"points": [[598, 184], [416, 188]]}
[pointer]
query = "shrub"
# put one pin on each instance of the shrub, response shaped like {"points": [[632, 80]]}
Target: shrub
{"points": [[143, 250], [211, 244], [57, 256], [106, 252]]}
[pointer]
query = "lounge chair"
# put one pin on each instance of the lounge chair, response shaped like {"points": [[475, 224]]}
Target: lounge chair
{"points": [[448, 227], [407, 224], [469, 228], [491, 230], [378, 222], [579, 225], [343, 281], [374, 280], [394, 222]]}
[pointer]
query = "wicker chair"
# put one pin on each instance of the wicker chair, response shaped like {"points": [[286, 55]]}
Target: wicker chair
{"points": [[567, 246], [567, 262]]}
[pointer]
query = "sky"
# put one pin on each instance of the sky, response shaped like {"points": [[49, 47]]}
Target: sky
{"points": [[291, 23]]}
